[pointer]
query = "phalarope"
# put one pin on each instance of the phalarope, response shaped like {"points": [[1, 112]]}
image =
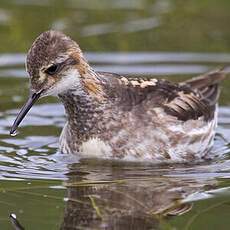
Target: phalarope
{"points": [[113, 116]]}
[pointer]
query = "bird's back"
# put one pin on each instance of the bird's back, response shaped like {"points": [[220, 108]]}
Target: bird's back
{"points": [[187, 100]]}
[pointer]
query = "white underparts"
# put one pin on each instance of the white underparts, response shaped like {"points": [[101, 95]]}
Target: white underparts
{"points": [[95, 147]]}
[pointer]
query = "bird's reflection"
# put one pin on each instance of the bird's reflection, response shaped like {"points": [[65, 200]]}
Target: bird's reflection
{"points": [[112, 197]]}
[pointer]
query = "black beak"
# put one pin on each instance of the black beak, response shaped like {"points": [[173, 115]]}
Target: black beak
{"points": [[25, 109]]}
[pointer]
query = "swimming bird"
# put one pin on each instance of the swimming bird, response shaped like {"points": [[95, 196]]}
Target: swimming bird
{"points": [[118, 117]]}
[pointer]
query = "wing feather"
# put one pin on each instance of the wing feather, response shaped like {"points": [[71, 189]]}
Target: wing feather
{"points": [[191, 99]]}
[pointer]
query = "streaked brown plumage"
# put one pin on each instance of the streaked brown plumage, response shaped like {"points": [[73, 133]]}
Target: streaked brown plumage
{"points": [[112, 116]]}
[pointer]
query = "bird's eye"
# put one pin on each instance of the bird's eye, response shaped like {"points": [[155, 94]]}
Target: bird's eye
{"points": [[52, 69]]}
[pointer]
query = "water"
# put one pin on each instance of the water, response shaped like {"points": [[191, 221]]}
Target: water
{"points": [[47, 190]]}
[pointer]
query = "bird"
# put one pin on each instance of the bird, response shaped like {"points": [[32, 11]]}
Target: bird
{"points": [[112, 116]]}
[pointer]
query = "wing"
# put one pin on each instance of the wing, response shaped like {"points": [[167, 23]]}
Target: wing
{"points": [[187, 100]]}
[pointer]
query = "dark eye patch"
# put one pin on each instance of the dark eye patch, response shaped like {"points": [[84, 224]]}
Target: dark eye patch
{"points": [[53, 69]]}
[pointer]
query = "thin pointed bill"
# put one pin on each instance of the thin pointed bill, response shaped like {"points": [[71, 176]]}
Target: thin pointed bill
{"points": [[25, 109]]}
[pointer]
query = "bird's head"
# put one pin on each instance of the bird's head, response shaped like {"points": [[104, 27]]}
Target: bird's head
{"points": [[55, 64]]}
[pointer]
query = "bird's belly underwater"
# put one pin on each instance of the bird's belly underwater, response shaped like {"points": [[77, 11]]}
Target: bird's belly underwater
{"points": [[173, 142], [159, 148]]}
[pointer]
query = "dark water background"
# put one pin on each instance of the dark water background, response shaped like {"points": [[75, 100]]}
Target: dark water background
{"points": [[174, 39]]}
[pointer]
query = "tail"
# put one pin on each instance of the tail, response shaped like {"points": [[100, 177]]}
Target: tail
{"points": [[208, 79], [207, 85]]}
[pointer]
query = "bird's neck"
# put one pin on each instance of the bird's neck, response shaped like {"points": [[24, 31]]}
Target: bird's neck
{"points": [[83, 106], [92, 84]]}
